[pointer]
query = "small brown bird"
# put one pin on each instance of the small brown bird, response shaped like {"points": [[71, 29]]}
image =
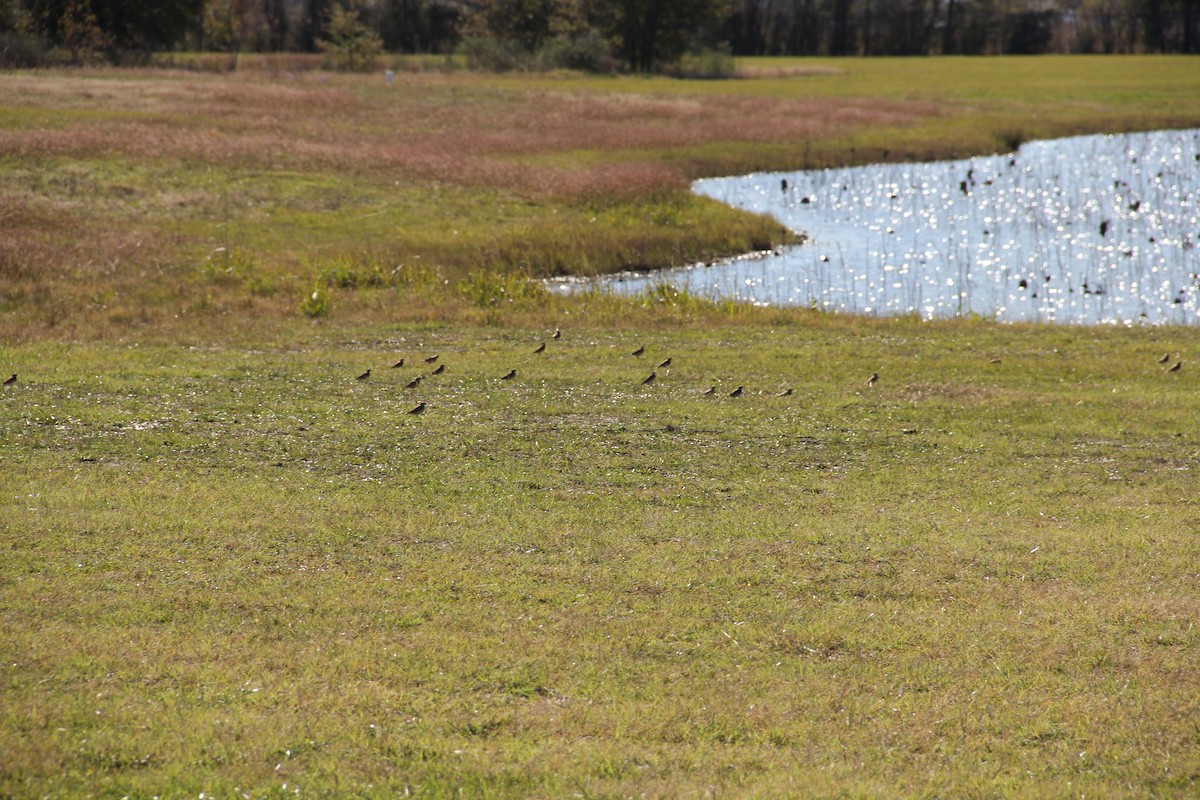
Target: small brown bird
{"points": [[650, 378], [541, 348], [639, 351], [11, 380], [441, 368], [512, 373], [1175, 367], [364, 376], [1166, 357], [414, 383], [431, 359], [557, 334], [666, 363], [785, 393], [871, 381], [420, 409], [736, 392], [711, 391], [398, 364]]}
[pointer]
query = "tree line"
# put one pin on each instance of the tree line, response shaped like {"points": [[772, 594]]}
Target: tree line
{"points": [[634, 35]]}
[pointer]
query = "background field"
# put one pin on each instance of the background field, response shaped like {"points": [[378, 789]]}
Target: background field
{"points": [[136, 198], [231, 568]]}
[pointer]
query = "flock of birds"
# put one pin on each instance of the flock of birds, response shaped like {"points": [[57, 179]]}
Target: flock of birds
{"points": [[638, 353], [421, 407]]}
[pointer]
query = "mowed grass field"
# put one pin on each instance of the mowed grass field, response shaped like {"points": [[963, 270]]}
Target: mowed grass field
{"points": [[231, 568], [236, 569]]}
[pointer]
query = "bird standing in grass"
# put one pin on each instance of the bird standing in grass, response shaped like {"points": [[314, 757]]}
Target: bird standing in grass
{"points": [[431, 359], [650, 379], [11, 380], [398, 364], [711, 391], [420, 409], [736, 392], [512, 373], [1166, 357], [639, 351], [364, 376], [557, 334], [666, 363], [541, 348], [441, 368], [1175, 367], [871, 381], [414, 383], [785, 393]]}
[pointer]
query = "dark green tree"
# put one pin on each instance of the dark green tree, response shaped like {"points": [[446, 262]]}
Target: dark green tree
{"points": [[649, 34], [123, 25]]}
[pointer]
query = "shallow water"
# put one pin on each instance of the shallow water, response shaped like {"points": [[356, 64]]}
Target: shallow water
{"points": [[1094, 229]]}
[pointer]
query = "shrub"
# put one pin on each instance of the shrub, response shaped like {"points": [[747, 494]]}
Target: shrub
{"points": [[316, 304], [22, 50], [586, 51], [706, 64]]}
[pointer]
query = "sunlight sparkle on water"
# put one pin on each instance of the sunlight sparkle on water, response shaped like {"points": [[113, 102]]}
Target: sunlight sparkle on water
{"points": [[1095, 229]]}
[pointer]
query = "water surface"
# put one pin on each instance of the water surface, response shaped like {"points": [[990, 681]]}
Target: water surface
{"points": [[1094, 229]]}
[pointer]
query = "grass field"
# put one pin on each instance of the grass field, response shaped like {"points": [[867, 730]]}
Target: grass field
{"points": [[230, 568], [233, 567], [134, 198]]}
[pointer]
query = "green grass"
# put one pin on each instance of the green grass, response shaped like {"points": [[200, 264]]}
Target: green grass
{"points": [[230, 566]]}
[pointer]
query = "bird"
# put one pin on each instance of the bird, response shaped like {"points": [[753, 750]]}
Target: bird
{"points": [[783, 184], [639, 351], [541, 348], [666, 363], [1166, 357], [873, 379], [1175, 367], [736, 392], [398, 364], [11, 380], [785, 393], [364, 376], [431, 359], [557, 334], [441, 368], [1103, 227], [512, 373], [420, 409], [711, 391], [650, 378], [414, 383]]}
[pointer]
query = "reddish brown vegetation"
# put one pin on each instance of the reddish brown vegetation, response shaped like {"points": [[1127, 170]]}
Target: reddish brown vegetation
{"points": [[454, 129]]}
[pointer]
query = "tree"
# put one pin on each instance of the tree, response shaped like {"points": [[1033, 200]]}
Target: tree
{"points": [[528, 23], [650, 33], [118, 25], [352, 43]]}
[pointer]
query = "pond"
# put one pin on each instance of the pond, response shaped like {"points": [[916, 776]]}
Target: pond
{"points": [[1088, 230]]}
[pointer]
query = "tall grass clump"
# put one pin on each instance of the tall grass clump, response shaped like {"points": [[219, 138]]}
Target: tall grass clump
{"points": [[317, 304]]}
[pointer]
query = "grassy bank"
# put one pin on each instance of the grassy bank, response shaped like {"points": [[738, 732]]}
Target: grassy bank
{"points": [[231, 568], [131, 197]]}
